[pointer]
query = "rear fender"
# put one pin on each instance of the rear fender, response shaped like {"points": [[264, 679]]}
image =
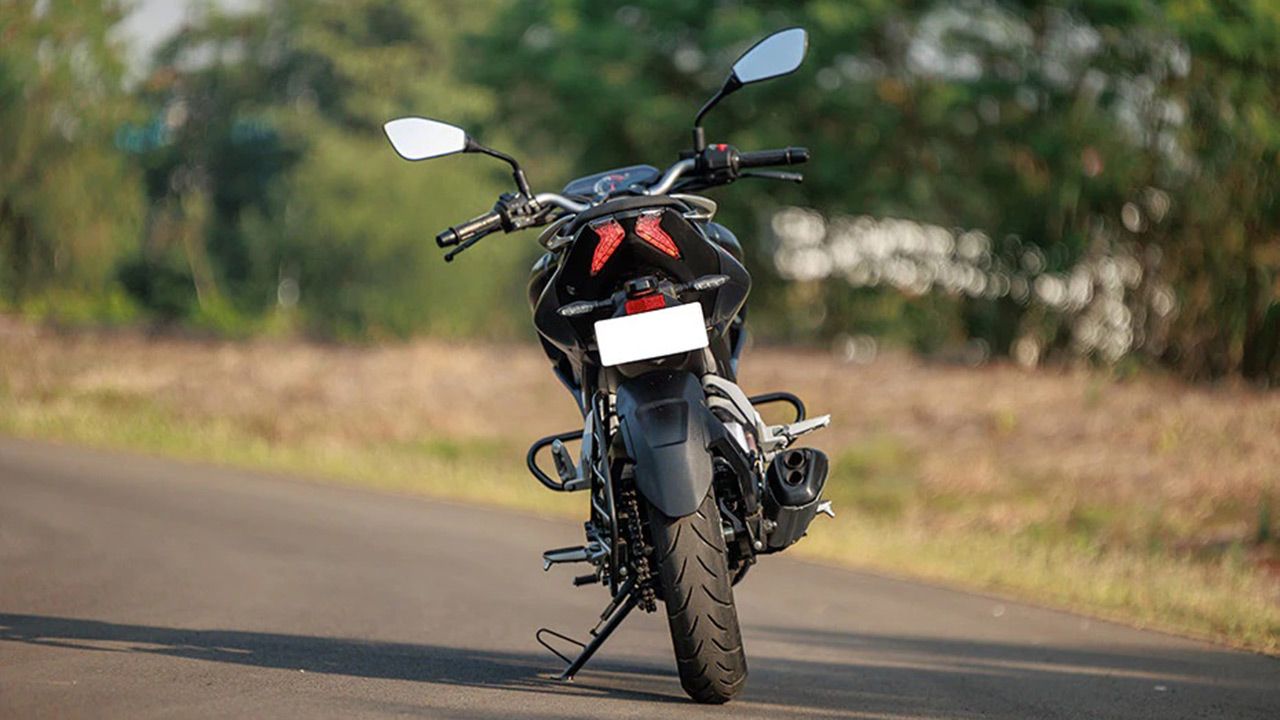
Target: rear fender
{"points": [[664, 423]]}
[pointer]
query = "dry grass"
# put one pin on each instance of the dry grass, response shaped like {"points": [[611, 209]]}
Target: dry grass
{"points": [[1141, 500]]}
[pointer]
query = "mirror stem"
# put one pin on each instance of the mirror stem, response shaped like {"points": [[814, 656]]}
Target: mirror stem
{"points": [[521, 182], [731, 84], [517, 173], [699, 139]]}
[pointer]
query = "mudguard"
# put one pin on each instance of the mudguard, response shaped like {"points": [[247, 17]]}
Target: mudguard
{"points": [[664, 422]]}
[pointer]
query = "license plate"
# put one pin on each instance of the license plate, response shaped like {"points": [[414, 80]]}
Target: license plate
{"points": [[651, 334]]}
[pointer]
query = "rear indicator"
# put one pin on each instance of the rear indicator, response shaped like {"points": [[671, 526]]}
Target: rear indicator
{"points": [[610, 235], [645, 303], [649, 230]]}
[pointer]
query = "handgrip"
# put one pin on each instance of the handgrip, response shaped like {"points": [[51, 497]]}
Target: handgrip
{"points": [[475, 227], [766, 158]]}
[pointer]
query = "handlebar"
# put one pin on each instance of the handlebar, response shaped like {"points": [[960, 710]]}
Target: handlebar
{"points": [[495, 219], [475, 227], [669, 178], [767, 158], [560, 201], [716, 165], [722, 164]]}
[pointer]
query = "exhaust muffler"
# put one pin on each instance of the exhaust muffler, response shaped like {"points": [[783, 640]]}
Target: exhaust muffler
{"points": [[794, 483]]}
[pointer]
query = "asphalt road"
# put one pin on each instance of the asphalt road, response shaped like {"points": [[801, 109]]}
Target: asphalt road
{"points": [[135, 587]]}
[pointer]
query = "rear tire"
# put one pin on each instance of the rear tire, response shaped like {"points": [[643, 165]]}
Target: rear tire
{"points": [[694, 578]]}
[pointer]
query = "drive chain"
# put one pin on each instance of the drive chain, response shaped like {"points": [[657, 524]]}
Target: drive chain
{"points": [[640, 550]]}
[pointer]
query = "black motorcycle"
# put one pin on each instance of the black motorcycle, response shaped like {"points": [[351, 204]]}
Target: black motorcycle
{"points": [[639, 304]]}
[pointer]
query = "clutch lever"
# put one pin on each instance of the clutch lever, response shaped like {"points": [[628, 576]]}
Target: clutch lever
{"points": [[773, 175], [448, 257], [517, 211]]}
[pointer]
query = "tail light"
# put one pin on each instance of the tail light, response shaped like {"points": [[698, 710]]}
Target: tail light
{"points": [[650, 230], [645, 303], [609, 234]]}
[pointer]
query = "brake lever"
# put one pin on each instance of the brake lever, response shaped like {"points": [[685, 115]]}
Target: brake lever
{"points": [[773, 175]]}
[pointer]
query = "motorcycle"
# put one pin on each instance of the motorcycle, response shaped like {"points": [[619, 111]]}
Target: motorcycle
{"points": [[638, 302]]}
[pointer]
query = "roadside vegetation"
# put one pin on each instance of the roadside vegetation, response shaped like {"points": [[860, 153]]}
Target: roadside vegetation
{"points": [[1142, 499], [1044, 181]]}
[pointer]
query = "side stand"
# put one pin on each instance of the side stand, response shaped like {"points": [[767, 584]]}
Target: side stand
{"points": [[621, 606]]}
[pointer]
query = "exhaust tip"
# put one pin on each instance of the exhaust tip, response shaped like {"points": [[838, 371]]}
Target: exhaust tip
{"points": [[794, 459]]}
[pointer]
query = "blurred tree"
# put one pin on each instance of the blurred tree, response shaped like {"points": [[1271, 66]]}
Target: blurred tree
{"points": [[1225, 243], [69, 205], [272, 178], [1101, 175], [1091, 135]]}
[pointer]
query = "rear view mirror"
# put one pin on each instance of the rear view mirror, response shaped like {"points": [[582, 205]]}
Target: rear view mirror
{"points": [[416, 138], [779, 54]]}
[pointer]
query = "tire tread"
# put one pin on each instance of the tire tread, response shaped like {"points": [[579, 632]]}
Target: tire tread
{"points": [[704, 626]]}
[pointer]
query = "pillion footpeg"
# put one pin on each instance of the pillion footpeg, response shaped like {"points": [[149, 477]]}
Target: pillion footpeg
{"points": [[781, 436]]}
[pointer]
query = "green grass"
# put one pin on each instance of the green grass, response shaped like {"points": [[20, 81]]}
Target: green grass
{"points": [[1108, 560], [1223, 600], [887, 520], [482, 471]]}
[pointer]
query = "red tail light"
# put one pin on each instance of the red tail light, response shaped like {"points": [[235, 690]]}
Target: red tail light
{"points": [[649, 230], [645, 303], [610, 235]]}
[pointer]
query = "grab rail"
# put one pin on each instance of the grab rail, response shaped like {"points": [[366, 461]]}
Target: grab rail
{"points": [[782, 396]]}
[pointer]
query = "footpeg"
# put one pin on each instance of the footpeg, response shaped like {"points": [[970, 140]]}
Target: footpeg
{"points": [[781, 436], [574, 554]]}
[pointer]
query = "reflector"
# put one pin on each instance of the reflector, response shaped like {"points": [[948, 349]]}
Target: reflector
{"points": [[645, 303]]}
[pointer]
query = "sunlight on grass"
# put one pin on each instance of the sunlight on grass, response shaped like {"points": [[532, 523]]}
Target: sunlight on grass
{"points": [[1222, 601], [479, 471]]}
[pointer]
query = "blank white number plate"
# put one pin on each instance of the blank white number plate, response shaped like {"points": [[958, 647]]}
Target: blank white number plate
{"points": [[651, 334]]}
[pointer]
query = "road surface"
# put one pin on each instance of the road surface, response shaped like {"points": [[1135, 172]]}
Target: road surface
{"points": [[134, 587]]}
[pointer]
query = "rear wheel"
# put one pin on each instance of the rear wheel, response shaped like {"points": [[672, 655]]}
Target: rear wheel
{"points": [[693, 575]]}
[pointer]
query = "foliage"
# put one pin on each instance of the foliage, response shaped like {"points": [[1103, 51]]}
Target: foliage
{"points": [[1225, 247], [261, 177], [1075, 134], [68, 202], [1096, 177]]}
